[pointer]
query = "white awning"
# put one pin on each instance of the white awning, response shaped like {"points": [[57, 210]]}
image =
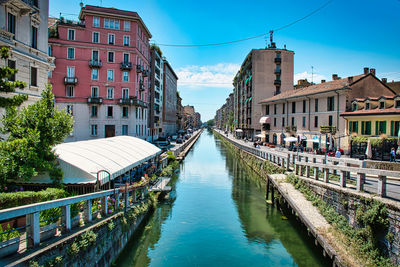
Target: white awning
{"points": [[239, 130], [81, 161], [265, 119], [290, 139]]}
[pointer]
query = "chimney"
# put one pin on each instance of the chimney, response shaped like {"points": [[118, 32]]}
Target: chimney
{"points": [[334, 77], [384, 80], [322, 81], [366, 70], [372, 71], [350, 79]]}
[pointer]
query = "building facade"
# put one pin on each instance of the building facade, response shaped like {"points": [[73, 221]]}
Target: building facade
{"points": [[302, 112], [102, 72], [179, 112], [169, 116], [23, 29], [156, 93], [264, 73]]}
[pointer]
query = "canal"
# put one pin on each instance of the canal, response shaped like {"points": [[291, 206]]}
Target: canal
{"points": [[217, 216]]}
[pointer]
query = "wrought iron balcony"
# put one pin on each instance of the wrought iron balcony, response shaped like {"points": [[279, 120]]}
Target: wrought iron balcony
{"points": [[277, 71], [70, 80], [139, 68], [141, 86], [95, 100], [95, 63], [127, 101], [277, 82], [278, 60], [125, 65], [145, 73]]}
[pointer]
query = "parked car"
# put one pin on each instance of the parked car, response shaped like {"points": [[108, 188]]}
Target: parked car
{"points": [[179, 140], [174, 137]]}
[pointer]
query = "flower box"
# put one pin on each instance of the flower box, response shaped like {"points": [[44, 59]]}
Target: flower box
{"points": [[9, 247]]}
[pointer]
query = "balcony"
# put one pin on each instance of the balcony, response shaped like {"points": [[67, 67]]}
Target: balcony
{"points": [[277, 82], [277, 92], [141, 86], [24, 6], [70, 80], [6, 36], [125, 65], [145, 73], [95, 63], [95, 100], [277, 71], [278, 60], [126, 101], [139, 68]]}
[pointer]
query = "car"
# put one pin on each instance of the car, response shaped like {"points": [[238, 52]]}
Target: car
{"points": [[179, 140], [174, 137]]}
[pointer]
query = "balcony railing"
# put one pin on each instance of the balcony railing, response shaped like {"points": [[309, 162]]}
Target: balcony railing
{"points": [[126, 65], [277, 82], [145, 73], [5, 35], [95, 100], [141, 86], [278, 60], [139, 68], [95, 63], [70, 80], [277, 71]]}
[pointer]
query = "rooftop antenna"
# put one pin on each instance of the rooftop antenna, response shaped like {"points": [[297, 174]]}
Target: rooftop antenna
{"points": [[271, 33], [312, 74]]}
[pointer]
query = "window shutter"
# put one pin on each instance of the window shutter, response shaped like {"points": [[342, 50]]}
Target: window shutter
{"points": [[383, 127], [377, 128], [356, 127], [363, 127], [368, 128], [392, 128]]}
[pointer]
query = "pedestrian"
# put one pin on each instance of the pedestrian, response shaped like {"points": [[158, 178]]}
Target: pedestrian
{"points": [[338, 154], [392, 155]]}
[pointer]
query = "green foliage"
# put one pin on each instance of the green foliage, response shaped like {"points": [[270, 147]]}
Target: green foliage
{"points": [[82, 242], [363, 240], [33, 132], [110, 226], [15, 199], [153, 199], [57, 261], [157, 48], [210, 123], [359, 139], [73, 250], [49, 216], [9, 235], [7, 86], [34, 264]]}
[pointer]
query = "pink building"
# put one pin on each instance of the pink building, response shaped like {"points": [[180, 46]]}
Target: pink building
{"points": [[101, 74]]}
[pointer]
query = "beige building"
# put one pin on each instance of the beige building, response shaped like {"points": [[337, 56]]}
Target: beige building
{"points": [[169, 99], [23, 28], [301, 113], [263, 74]]}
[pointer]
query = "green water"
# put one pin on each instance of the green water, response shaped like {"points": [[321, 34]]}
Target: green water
{"points": [[217, 216]]}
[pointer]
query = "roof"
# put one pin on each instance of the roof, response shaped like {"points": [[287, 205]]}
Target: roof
{"points": [[82, 160], [315, 89], [395, 86], [376, 111]]}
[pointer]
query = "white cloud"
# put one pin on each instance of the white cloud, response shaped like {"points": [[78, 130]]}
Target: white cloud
{"points": [[219, 75], [316, 78]]}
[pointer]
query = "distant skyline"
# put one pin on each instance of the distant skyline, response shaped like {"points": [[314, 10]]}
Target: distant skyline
{"points": [[342, 38]]}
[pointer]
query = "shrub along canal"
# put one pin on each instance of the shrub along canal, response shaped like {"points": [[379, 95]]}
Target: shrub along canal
{"points": [[217, 216]]}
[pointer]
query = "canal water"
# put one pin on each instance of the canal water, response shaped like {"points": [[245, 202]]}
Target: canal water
{"points": [[217, 216]]}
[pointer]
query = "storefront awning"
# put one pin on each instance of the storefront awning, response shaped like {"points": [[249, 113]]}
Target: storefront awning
{"points": [[265, 119], [239, 130]]}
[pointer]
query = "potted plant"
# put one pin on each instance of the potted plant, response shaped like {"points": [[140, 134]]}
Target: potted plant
{"points": [[9, 241]]}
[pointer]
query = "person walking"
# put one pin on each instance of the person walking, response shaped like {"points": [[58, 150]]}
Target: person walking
{"points": [[392, 155]]}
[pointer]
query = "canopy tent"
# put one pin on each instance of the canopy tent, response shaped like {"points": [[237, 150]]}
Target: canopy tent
{"points": [[82, 161], [265, 119], [291, 139], [239, 130]]}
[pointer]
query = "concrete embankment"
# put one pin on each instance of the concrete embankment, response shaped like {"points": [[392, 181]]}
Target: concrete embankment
{"points": [[181, 151]]}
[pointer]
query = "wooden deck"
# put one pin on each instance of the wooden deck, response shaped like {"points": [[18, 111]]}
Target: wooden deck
{"points": [[161, 185]]}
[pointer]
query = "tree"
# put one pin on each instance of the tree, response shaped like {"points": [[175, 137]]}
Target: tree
{"points": [[7, 86], [229, 121], [210, 123], [32, 133]]}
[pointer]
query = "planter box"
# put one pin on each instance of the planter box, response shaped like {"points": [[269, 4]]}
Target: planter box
{"points": [[9, 247], [48, 231]]}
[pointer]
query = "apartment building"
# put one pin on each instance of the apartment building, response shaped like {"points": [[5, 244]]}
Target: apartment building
{"points": [[23, 29], [102, 72], [179, 112], [302, 112], [170, 82], [263, 74], [156, 93]]}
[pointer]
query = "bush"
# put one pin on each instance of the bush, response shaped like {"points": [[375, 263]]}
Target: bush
{"points": [[9, 235], [15, 199]]}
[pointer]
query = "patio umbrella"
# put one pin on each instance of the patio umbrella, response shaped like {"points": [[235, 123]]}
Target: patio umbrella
{"points": [[239, 130], [313, 140], [368, 151], [290, 139], [260, 135]]}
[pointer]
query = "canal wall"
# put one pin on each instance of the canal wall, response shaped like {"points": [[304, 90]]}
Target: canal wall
{"points": [[98, 245], [181, 151], [349, 203]]}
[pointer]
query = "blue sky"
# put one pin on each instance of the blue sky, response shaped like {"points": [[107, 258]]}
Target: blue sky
{"points": [[342, 38]]}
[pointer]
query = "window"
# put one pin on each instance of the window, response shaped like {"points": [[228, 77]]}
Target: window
{"points": [[316, 122], [106, 23], [125, 93], [71, 53], [11, 64], [70, 91], [111, 57], [71, 34], [110, 75], [367, 130], [126, 40], [111, 24], [94, 91], [70, 109], [283, 122], [380, 127], [116, 24], [96, 22], [126, 58], [95, 55], [95, 74], [292, 121], [109, 111], [111, 38], [93, 111], [354, 107], [353, 125], [125, 76], [397, 104], [274, 108], [283, 108], [10, 23], [274, 122], [124, 129], [124, 112], [382, 105], [267, 110], [304, 122], [34, 37], [304, 106], [110, 92], [70, 72], [330, 120], [316, 105], [293, 107], [33, 76], [93, 130], [331, 103], [127, 26], [367, 106], [50, 51], [95, 37], [394, 128]]}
